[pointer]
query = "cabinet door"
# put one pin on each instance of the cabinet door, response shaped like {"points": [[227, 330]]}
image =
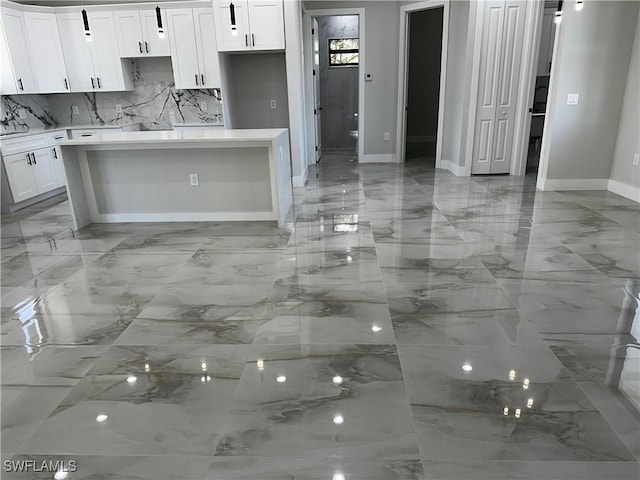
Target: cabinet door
{"points": [[76, 51], [266, 22], [47, 59], [20, 177], [105, 53], [184, 54], [58, 167], [129, 33], [206, 44], [43, 170], [155, 46], [227, 39], [7, 79], [14, 31]]}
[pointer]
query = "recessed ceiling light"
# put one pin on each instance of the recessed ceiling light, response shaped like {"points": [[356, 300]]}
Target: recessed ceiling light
{"points": [[338, 419], [467, 367], [132, 379], [337, 379], [281, 379], [102, 418]]}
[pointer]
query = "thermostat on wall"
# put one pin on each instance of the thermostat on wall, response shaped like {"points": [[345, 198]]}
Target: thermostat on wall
{"points": [[368, 77]]}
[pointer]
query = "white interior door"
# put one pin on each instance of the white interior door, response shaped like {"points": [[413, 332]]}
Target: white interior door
{"points": [[154, 46], [184, 54], [317, 108], [76, 50], [47, 59], [490, 48], [266, 24], [206, 46], [508, 86]]}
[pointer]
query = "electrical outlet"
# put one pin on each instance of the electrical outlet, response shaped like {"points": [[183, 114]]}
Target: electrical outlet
{"points": [[118, 108], [194, 181], [22, 113], [203, 105], [172, 117], [273, 105], [572, 99], [75, 110], [636, 159], [387, 136]]}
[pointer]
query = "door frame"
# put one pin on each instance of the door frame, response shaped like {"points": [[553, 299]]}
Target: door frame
{"points": [[308, 74], [403, 74]]}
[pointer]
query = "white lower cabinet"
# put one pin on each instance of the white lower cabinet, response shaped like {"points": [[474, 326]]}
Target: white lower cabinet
{"points": [[20, 176], [43, 170]]}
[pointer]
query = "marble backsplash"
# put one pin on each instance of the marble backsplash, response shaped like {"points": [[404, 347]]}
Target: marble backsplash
{"points": [[154, 102]]}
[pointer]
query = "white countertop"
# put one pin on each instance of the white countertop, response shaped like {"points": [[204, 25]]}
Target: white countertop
{"points": [[184, 136], [38, 131]]}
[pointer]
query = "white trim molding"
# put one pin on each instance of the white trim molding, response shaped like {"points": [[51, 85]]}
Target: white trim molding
{"points": [[628, 191], [573, 184], [379, 158], [300, 180], [457, 170]]}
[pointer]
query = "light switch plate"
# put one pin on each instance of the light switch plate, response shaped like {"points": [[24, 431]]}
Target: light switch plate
{"points": [[368, 77], [274, 105], [636, 159], [194, 181], [118, 108], [75, 110], [572, 99], [22, 113]]}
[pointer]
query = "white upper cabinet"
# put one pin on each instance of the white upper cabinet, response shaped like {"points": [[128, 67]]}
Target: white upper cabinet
{"points": [[77, 52], [206, 46], [193, 48], [7, 78], [138, 35], [16, 38], [93, 65], [267, 24], [259, 25], [47, 59]]}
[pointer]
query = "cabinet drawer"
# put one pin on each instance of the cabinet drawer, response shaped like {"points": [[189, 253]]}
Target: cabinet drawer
{"points": [[24, 144], [54, 138], [89, 132]]}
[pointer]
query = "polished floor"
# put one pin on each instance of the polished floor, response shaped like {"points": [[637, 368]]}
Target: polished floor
{"points": [[409, 324]]}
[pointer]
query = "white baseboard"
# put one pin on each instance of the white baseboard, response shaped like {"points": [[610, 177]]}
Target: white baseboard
{"points": [[627, 191], [379, 158], [184, 217], [573, 184], [299, 181], [454, 168]]}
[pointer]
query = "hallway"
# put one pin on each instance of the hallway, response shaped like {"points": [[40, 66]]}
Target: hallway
{"points": [[410, 324]]}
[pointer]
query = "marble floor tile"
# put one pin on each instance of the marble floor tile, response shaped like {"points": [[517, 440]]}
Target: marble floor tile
{"points": [[404, 323]]}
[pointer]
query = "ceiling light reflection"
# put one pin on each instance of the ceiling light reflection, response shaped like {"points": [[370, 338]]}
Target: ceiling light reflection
{"points": [[530, 403], [337, 379], [281, 379], [525, 384], [467, 367], [102, 418], [517, 413], [338, 419], [132, 379], [512, 374], [260, 365]]}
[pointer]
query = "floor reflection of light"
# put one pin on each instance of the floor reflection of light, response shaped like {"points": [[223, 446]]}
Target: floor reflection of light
{"points": [[147, 367], [338, 419], [132, 379], [505, 411], [337, 379], [204, 366], [281, 379], [517, 413], [512, 375], [61, 475], [260, 365], [525, 384], [102, 418], [376, 328], [530, 403], [467, 367], [338, 476]]}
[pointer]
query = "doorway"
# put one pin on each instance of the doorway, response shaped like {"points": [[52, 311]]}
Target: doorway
{"points": [[424, 60], [542, 75], [336, 73]]}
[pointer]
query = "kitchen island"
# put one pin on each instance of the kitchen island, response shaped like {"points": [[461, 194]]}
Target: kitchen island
{"points": [[179, 176]]}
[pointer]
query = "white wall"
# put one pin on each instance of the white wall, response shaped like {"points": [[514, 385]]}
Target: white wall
{"points": [[593, 50], [628, 142]]}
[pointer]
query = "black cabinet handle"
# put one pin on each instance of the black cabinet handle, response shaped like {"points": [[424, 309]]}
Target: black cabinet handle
{"points": [[66, 84], [55, 154], [99, 84], [28, 159], [246, 40], [196, 75], [93, 85], [33, 157], [146, 47], [253, 40], [140, 46], [20, 82], [202, 79]]}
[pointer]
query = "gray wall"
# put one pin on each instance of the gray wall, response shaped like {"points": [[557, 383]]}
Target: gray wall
{"points": [[628, 141], [381, 60], [338, 85], [154, 101], [425, 40], [253, 81], [592, 58]]}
